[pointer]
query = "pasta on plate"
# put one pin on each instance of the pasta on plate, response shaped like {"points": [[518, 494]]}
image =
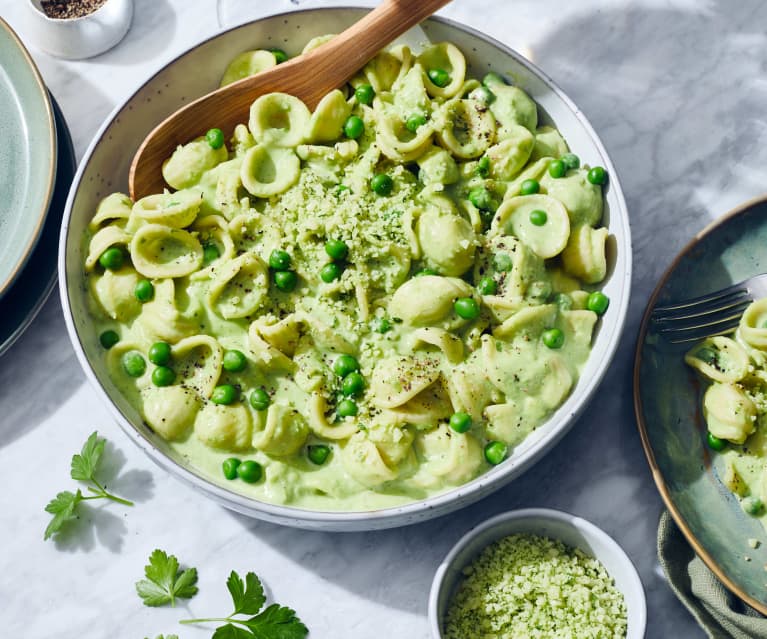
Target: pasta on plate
{"points": [[735, 405], [375, 301]]}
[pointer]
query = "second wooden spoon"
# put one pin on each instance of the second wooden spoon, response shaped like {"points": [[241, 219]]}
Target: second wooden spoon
{"points": [[308, 77]]}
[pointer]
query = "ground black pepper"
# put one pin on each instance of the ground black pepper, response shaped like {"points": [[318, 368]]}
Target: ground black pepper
{"points": [[68, 9]]}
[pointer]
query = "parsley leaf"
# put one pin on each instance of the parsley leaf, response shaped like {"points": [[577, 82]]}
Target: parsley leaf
{"points": [[276, 622], [83, 468], [273, 622], [63, 508], [249, 597], [84, 465], [164, 581]]}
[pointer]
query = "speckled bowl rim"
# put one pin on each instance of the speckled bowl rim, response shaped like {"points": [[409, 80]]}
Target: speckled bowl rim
{"points": [[657, 474], [45, 202], [549, 514], [414, 511]]}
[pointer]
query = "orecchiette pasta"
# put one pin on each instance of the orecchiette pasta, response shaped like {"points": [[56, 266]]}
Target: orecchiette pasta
{"points": [[363, 297]]}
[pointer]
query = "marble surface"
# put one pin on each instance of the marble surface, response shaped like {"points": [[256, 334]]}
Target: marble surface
{"points": [[676, 89]]}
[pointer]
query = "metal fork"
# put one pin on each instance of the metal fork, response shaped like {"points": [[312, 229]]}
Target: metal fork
{"points": [[708, 315]]}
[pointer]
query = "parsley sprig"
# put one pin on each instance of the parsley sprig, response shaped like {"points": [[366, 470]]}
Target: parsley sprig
{"points": [[64, 507], [165, 582], [273, 622]]}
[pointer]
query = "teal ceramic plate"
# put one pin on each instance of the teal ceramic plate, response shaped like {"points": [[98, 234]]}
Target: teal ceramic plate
{"points": [[668, 400], [27, 156], [26, 296]]}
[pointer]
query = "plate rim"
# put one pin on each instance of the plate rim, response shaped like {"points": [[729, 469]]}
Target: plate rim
{"points": [[13, 274], [657, 474]]}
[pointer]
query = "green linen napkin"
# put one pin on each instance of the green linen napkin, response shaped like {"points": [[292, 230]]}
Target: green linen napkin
{"points": [[721, 614]]}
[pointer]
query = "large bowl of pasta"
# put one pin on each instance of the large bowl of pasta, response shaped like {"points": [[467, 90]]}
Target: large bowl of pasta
{"points": [[358, 316]]}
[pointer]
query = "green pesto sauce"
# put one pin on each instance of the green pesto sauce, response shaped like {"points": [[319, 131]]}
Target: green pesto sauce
{"points": [[429, 364]]}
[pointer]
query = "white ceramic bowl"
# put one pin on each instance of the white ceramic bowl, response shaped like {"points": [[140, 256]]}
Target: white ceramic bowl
{"points": [[105, 169], [84, 37], [569, 529]]}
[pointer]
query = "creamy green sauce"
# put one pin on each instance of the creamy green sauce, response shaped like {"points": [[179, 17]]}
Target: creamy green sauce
{"points": [[448, 298]]}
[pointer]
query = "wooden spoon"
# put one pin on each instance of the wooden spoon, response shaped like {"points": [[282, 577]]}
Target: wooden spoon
{"points": [[309, 77]]}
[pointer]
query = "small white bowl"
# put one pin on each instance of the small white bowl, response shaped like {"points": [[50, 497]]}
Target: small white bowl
{"points": [[554, 524], [84, 37]]}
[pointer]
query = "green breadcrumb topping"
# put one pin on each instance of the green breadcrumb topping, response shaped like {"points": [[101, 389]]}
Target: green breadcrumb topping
{"points": [[528, 586]]}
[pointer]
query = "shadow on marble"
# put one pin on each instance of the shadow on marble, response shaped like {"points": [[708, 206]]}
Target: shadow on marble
{"points": [[154, 24], [134, 485], [37, 374]]}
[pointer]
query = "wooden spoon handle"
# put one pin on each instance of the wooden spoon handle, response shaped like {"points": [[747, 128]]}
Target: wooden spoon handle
{"points": [[309, 77]]}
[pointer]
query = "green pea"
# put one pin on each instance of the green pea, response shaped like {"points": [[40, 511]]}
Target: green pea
{"points": [[487, 286], [279, 55], [250, 471], [353, 385], [597, 302], [538, 217], [354, 127], [483, 166], [495, 452], [318, 454], [597, 176], [159, 353], [529, 187], [753, 506], [259, 399], [380, 325], [492, 78], [347, 408], [439, 77], [108, 339], [345, 364], [210, 252], [382, 184], [112, 259], [279, 260], [230, 467], [224, 394], [564, 301], [557, 168], [234, 361], [571, 161], [426, 271], [708, 355], [714, 443], [460, 422], [467, 308], [502, 262], [483, 95], [134, 364], [285, 280], [163, 376], [144, 291], [553, 338], [364, 94], [336, 249], [215, 138], [331, 272], [415, 121], [481, 198]]}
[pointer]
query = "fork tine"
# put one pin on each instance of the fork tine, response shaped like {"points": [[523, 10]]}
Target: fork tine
{"points": [[724, 296], [703, 312], [692, 333]]}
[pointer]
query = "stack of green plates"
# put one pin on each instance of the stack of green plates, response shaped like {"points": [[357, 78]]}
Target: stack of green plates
{"points": [[36, 168]]}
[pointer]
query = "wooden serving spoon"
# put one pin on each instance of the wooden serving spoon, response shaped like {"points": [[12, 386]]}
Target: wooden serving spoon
{"points": [[309, 77]]}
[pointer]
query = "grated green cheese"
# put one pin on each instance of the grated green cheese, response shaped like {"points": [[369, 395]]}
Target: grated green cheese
{"points": [[529, 586]]}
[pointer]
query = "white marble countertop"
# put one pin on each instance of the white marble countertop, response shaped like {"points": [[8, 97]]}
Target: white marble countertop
{"points": [[677, 90]]}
